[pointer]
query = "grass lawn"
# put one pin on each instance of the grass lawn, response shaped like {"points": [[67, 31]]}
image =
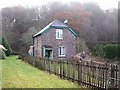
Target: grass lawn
{"points": [[18, 74]]}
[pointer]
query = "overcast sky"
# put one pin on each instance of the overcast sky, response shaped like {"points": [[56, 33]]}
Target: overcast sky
{"points": [[104, 4]]}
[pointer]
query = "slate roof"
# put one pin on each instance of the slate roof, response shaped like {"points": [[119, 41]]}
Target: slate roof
{"points": [[55, 24]]}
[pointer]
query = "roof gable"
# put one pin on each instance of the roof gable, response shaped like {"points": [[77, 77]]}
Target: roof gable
{"points": [[55, 24], [58, 23]]}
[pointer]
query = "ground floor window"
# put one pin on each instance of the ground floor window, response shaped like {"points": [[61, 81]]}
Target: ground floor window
{"points": [[61, 51]]}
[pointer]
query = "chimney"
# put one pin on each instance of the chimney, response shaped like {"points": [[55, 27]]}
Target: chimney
{"points": [[66, 21]]}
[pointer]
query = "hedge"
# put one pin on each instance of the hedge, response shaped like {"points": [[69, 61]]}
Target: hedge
{"points": [[107, 51]]}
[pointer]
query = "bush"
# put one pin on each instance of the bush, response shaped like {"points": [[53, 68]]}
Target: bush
{"points": [[2, 54], [98, 50], [111, 51], [107, 51], [7, 46], [118, 51]]}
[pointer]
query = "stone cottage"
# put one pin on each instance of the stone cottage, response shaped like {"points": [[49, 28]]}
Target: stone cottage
{"points": [[56, 41]]}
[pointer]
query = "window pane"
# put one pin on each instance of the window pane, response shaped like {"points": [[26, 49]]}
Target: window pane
{"points": [[60, 31], [61, 51], [59, 34]]}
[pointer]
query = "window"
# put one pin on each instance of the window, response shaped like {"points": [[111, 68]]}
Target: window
{"points": [[59, 34], [61, 51]]}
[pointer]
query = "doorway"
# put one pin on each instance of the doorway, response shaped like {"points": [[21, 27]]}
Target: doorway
{"points": [[47, 52]]}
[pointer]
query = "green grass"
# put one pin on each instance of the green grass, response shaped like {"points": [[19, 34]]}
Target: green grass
{"points": [[18, 74], [87, 75]]}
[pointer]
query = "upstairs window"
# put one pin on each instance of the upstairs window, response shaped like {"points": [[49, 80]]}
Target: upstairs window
{"points": [[62, 51], [59, 34]]}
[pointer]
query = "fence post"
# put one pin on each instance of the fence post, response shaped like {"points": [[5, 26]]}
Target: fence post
{"points": [[49, 61], [92, 74], [119, 74], [73, 71], [112, 73], [60, 69], [63, 69], [54, 67], [116, 76], [103, 76], [98, 71], [106, 75], [34, 61], [68, 70], [87, 73], [81, 65], [44, 64], [79, 73], [57, 71]]}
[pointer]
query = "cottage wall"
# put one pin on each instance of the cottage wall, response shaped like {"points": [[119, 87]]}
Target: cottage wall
{"points": [[37, 46], [69, 41]]}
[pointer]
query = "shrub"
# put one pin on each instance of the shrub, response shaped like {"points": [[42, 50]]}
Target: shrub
{"points": [[2, 54], [7, 46], [118, 51], [98, 50], [111, 51], [107, 51]]}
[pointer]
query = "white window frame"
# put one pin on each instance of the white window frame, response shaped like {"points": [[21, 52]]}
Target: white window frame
{"points": [[59, 34], [61, 52]]}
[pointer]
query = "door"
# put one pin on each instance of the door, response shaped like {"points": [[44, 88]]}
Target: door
{"points": [[48, 53]]}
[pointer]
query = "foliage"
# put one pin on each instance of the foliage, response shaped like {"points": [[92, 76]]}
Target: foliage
{"points": [[88, 20], [2, 54], [27, 36], [98, 50], [111, 51], [81, 46], [102, 24], [119, 51], [7, 46], [107, 51]]}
